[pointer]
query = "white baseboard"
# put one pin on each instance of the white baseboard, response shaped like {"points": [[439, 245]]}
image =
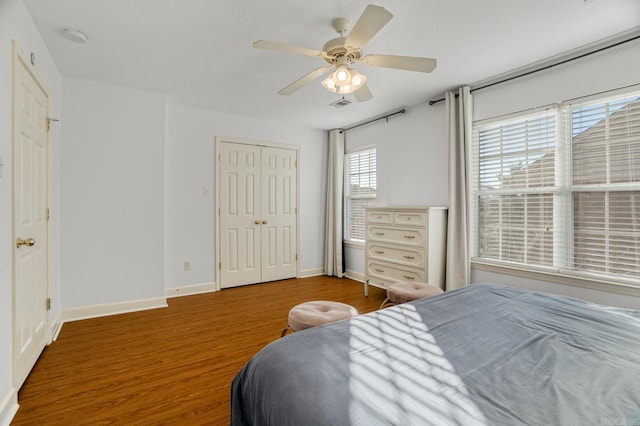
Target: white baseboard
{"points": [[95, 311], [56, 326], [356, 276], [313, 272], [8, 407], [190, 289]]}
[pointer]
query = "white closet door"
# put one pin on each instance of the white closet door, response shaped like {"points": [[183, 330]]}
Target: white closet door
{"points": [[279, 236], [240, 223], [258, 213]]}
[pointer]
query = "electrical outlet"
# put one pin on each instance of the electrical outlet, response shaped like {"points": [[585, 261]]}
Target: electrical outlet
{"points": [[187, 265]]}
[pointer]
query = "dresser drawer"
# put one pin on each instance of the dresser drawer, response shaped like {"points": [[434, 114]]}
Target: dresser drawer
{"points": [[410, 218], [389, 272], [380, 216], [406, 236], [406, 256]]}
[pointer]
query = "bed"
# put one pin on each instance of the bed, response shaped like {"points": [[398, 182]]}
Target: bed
{"points": [[483, 355]]}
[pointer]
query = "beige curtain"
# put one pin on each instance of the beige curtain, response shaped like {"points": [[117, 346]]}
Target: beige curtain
{"points": [[333, 264], [459, 113]]}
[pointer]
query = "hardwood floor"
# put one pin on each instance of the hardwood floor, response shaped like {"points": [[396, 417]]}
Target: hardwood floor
{"points": [[168, 366]]}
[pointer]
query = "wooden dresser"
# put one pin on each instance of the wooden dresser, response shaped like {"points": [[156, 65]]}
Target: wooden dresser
{"points": [[405, 244]]}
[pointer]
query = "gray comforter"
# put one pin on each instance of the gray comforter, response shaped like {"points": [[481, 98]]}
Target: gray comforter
{"points": [[483, 355]]}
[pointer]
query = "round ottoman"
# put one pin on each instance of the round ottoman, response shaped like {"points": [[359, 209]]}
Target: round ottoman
{"points": [[402, 291], [317, 312]]}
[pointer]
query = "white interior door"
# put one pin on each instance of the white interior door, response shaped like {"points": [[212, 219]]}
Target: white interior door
{"points": [[279, 211], [239, 204], [30, 207], [257, 201]]}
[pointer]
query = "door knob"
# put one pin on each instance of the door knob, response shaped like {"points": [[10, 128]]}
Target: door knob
{"points": [[264, 222], [29, 242], [257, 222]]}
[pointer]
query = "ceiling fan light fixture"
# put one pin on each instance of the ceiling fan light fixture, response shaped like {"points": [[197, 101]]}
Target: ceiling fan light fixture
{"points": [[329, 84], [344, 80], [357, 79], [342, 75]]}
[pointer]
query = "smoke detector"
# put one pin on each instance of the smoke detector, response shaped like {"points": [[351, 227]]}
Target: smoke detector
{"points": [[74, 35]]}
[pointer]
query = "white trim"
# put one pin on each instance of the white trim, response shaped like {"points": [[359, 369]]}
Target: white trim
{"points": [[354, 244], [356, 276], [8, 407], [96, 311], [556, 277], [56, 327], [190, 290], [313, 272]]}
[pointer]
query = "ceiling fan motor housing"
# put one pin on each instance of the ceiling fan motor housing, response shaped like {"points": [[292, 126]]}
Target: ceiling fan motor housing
{"points": [[337, 51]]}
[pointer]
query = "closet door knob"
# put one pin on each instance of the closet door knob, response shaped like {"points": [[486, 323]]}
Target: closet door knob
{"points": [[29, 242]]}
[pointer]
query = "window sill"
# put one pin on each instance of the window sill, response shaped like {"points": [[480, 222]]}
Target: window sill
{"points": [[559, 278], [353, 244]]}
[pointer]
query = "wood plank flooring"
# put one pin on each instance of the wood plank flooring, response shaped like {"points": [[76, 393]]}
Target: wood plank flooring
{"points": [[168, 366]]}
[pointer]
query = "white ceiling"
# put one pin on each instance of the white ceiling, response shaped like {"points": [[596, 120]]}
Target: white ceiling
{"points": [[199, 53]]}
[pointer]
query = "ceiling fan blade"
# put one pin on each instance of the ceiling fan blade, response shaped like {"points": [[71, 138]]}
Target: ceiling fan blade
{"points": [[409, 63], [363, 93], [304, 80], [370, 22], [284, 47]]}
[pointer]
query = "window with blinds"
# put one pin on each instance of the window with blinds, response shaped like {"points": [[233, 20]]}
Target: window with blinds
{"points": [[359, 191], [560, 189]]}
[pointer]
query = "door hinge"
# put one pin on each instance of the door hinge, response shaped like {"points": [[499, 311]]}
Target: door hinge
{"points": [[296, 257], [48, 303], [49, 120], [219, 265], [48, 214]]}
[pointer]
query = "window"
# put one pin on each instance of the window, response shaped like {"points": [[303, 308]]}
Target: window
{"points": [[560, 189], [359, 191]]}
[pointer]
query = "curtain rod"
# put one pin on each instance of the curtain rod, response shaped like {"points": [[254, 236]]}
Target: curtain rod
{"points": [[546, 67], [402, 111]]}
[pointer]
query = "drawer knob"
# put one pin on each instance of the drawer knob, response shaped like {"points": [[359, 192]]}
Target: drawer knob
{"points": [[410, 237], [378, 252], [379, 233], [409, 257], [407, 277], [379, 270]]}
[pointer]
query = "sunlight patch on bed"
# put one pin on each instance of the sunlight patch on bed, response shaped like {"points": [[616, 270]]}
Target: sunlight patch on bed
{"points": [[394, 350]]}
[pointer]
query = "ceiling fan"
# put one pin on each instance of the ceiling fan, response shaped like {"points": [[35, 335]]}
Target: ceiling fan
{"points": [[341, 52]]}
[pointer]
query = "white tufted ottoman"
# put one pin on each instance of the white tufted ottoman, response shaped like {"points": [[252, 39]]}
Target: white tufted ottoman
{"points": [[317, 312], [402, 292]]}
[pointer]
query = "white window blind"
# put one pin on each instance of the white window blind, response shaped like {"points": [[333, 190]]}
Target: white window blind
{"points": [[359, 191], [606, 186], [560, 189], [516, 187]]}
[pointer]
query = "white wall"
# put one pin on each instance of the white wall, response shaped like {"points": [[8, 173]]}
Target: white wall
{"points": [[411, 155], [113, 199], [614, 68], [16, 24], [190, 171]]}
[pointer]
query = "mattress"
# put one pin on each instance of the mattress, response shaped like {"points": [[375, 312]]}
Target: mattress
{"points": [[483, 355]]}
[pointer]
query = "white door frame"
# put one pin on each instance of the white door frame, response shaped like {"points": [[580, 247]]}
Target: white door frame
{"points": [[18, 55], [222, 139]]}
